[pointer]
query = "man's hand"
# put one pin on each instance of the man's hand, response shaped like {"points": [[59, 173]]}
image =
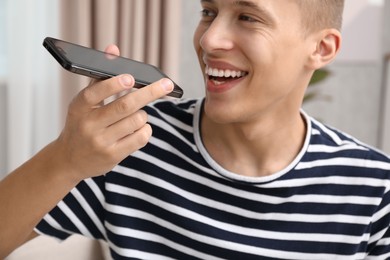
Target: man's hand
{"points": [[96, 137]]}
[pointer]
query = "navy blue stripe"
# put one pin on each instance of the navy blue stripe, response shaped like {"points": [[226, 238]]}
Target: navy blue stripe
{"points": [[80, 212], [46, 228]]}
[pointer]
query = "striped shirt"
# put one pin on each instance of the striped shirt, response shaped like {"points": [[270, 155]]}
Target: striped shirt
{"points": [[171, 200]]}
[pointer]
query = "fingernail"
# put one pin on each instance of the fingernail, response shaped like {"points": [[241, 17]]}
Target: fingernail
{"points": [[167, 84], [127, 81]]}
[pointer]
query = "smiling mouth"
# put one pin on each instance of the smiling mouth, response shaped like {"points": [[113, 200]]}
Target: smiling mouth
{"points": [[220, 76]]}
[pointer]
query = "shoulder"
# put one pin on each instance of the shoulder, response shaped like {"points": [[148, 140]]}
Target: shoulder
{"points": [[172, 107], [169, 113], [330, 143]]}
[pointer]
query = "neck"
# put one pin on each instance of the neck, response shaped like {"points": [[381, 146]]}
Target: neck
{"points": [[257, 148]]}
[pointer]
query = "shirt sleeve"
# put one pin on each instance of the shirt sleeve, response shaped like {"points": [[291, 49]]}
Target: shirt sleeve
{"points": [[379, 241], [80, 212]]}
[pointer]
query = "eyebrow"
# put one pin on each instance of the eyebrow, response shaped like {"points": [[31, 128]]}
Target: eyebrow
{"points": [[243, 3], [246, 4], [251, 5]]}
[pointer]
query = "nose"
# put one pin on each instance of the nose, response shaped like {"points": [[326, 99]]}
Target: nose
{"points": [[218, 36]]}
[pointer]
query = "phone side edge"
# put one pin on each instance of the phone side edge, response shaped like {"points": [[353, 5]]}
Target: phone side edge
{"points": [[62, 60]]}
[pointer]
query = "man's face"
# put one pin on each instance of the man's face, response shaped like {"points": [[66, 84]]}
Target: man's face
{"points": [[253, 56]]}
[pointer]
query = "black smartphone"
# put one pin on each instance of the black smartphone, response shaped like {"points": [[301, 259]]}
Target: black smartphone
{"points": [[100, 65]]}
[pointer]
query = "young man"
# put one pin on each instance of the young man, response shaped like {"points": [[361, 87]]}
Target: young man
{"points": [[240, 174]]}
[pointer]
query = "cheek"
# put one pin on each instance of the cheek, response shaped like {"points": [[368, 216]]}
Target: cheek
{"points": [[273, 61], [199, 32], [197, 37]]}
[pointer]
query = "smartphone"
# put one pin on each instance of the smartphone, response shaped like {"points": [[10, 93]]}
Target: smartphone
{"points": [[100, 65]]}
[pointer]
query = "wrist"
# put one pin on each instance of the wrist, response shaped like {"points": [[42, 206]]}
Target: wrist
{"points": [[57, 165]]}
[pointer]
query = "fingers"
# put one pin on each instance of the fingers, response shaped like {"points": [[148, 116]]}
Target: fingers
{"points": [[132, 102], [126, 126], [134, 142], [95, 94]]}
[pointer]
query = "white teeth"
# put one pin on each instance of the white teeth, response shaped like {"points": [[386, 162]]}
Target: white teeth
{"points": [[224, 73], [217, 83], [209, 71]]}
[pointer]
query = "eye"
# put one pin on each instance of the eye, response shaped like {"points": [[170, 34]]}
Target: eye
{"points": [[208, 14], [247, 18]]}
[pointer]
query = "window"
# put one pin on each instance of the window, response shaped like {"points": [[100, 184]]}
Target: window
{"points": [[2, 38]]}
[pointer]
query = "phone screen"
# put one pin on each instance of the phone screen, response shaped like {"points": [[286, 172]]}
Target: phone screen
{"points": [[98, 64]]}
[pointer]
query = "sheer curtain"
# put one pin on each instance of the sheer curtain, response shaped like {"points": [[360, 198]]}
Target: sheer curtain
{"points": [[385, 102], [144, 30], [385, 117], [32, 81]]}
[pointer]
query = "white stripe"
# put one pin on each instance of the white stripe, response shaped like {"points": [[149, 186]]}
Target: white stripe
{"points": [[156, 238], [331, 133], [344, 162], [167, 127], [96, 190], [315, 132], [136, 253], [256, 250], [174, 121], [331, 149], [293, 183], [383, 242], [381, 213], [254, 232], [91, 213], [74, 219], [54, 224], [377, 236], [171, 149], [333, 199], [381, 257]]}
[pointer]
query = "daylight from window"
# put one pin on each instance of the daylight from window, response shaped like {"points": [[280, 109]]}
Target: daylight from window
{"points": [[2, 37]]}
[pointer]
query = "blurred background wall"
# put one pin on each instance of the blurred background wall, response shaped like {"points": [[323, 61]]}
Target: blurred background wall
{"points": [[355, 97]]}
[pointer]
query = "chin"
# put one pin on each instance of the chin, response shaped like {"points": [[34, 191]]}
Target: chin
{"points": [[219, 113]]}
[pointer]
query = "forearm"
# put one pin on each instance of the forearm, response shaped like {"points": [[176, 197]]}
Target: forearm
{"points": [[28, 193]]}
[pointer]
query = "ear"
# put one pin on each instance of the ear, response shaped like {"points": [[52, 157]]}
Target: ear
{"points": [[327, 46]]}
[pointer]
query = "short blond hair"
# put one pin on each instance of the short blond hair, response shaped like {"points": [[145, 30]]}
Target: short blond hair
{"points": [[321, 14]]}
